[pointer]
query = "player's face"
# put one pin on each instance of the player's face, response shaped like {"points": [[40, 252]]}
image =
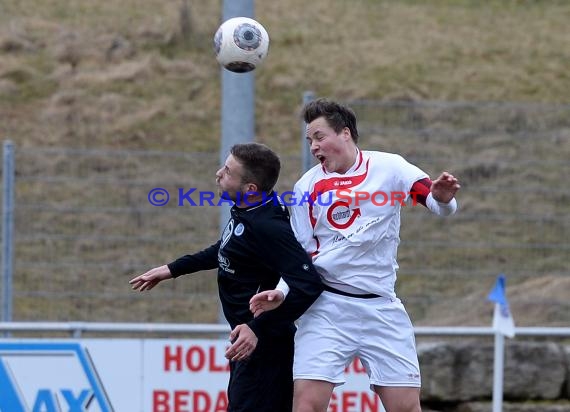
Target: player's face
{"points": [[229, 179], [335, 151]]}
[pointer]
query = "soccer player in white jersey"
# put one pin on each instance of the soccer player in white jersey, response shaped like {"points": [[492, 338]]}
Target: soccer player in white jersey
{"points": [[346, 215]]}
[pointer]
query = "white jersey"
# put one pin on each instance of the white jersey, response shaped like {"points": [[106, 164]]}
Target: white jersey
{"points": [[350, 223]]}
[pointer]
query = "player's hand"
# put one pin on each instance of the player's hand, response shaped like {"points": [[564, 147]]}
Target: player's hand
{"points": [[150, 279], [264, 301], [444, 188], [243, 344]]}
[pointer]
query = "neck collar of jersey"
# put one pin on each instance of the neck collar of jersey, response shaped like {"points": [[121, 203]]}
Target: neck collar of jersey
{"points": [[252, 206]]}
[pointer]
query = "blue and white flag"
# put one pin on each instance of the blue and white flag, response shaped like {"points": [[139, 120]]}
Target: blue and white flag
{"points": [[503, 321]]}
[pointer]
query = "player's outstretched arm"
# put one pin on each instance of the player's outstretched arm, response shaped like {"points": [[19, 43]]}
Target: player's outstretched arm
{"points": [[265, 301], [150, 279], [444, 188]]}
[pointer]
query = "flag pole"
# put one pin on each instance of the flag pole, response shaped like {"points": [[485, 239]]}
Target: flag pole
{"points": [[498, 372], [503, 325]]}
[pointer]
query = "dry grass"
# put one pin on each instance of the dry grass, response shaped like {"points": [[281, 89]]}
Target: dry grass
{"points": [[438, 50]]}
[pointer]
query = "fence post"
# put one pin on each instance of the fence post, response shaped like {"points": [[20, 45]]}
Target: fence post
{"points": [[7, 228], [306, 151], [238, 106]]}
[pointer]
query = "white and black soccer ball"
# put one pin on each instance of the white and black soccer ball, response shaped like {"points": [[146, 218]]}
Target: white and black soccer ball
{"points": [[241, 44]]}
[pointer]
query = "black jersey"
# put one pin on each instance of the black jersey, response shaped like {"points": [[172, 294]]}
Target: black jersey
{"points": [[256, 249]]}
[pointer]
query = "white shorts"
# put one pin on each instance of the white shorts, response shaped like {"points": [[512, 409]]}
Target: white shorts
{"points": [[338, 328]]}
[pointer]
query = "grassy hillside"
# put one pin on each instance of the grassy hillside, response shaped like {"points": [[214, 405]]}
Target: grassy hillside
{"points": [[120, 75], [127, 75]]}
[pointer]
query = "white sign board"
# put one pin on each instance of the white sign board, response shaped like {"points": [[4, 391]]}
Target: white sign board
{"points": [[130, 375]]}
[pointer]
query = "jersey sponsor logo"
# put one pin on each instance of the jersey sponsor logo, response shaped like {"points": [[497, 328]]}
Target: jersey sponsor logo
{"points": [[340, 216], [333, 183], [31, 379], [224, 263], [342, 183]]}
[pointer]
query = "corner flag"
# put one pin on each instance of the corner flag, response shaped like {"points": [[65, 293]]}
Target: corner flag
{"points": [[503, 322]]}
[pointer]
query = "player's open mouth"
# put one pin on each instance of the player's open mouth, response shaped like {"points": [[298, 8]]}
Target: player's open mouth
{"points": [[321, 158]]}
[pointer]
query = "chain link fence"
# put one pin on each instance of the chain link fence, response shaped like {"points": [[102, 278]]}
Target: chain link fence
{"points": [[85, 223]]}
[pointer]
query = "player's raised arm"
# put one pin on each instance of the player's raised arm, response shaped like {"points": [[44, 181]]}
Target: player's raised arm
{"points": [[441, 199], [438, 195], [444, 188]]}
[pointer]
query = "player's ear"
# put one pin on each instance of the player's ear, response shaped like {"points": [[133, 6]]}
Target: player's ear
{"points": [[251, 187], [346, 134]]}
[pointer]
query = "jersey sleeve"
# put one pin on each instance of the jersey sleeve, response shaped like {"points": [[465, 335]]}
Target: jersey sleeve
{"points": [[301, 221], [420, 191], [407, 174], [203, 260], [280, 251]]}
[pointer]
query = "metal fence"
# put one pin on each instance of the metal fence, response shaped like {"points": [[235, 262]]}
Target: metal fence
{"points": [[84, 223]]}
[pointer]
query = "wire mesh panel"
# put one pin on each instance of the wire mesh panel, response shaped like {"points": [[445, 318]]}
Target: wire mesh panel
{"points": [[86, 221], [514, 217]]}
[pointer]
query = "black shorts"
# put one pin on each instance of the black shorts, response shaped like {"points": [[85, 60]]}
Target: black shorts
{"points": [[264, 382]]}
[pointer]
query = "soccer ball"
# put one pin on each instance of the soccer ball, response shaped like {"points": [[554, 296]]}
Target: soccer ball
{"points": [[241, 44]]}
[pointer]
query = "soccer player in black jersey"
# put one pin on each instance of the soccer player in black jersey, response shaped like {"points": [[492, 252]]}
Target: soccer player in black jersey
{"points": [[256, 249]]}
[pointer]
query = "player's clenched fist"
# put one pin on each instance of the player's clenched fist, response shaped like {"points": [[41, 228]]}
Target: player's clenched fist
{"points": [[444, 188]]}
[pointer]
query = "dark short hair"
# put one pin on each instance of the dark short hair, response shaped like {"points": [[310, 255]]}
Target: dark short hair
{"points": [[337, 116], [261, 165]]}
